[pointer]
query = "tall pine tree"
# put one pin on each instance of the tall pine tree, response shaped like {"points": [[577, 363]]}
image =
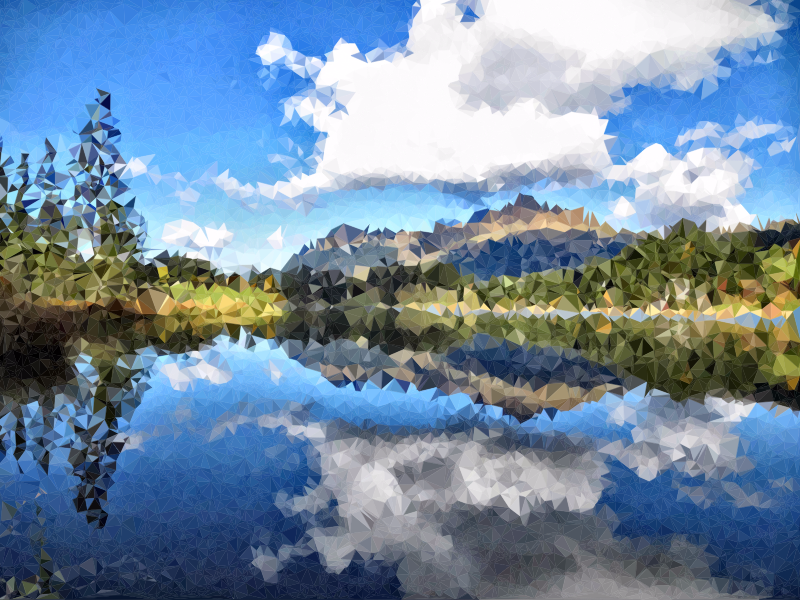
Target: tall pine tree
{"points": [[70, 232]]}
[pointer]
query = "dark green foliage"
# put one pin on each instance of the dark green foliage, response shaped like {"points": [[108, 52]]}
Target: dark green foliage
{"points": [[168, 268], [68, 231]]}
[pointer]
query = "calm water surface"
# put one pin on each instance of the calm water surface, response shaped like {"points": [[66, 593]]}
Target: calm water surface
{"points": [[242, 473]]}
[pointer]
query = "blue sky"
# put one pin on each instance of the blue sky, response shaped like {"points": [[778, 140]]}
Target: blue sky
{"points": [[190, 91]]}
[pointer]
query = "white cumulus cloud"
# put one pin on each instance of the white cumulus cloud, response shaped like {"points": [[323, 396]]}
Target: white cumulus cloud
{"points": [[209, 366], [704, 185], [703, 181], [137, 166], [707, 133], [511, 99], [191, 235]]}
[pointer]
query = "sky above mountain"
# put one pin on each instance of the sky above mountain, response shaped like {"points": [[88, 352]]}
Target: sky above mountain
{"points": [[252, 127]]}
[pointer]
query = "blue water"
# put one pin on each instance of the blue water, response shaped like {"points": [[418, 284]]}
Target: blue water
{"points": [[201, 487]]}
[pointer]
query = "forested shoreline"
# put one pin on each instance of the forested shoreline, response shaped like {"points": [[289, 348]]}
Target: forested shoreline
{"points": [[74, 276]]}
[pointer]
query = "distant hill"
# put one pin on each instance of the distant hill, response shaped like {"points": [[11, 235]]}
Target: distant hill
{"points": [[529, 253], [523, 237]]}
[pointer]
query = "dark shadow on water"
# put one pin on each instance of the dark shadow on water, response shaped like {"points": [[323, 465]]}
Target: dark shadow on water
{"points": [[90, 370]]}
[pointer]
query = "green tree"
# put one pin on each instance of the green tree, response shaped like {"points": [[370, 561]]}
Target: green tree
{"points": [[69, 231]]}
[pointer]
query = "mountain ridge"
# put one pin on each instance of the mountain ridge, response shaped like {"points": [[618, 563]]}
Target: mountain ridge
{"points": [[522, 237]]}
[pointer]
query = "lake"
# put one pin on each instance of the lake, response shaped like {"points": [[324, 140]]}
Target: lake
{"points": [[243, 469]]}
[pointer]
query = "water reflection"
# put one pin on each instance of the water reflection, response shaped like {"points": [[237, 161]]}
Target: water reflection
{"points": [[69, 393], [526, 364], [278, 468], [73, 385], [522, 380], [246, 474]]}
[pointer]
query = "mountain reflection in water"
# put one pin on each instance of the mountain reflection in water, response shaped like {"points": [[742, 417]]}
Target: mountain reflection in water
{"points": [[208, 463]]}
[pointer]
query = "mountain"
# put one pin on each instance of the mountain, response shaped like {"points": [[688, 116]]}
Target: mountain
{"points": [[523, 237]]}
